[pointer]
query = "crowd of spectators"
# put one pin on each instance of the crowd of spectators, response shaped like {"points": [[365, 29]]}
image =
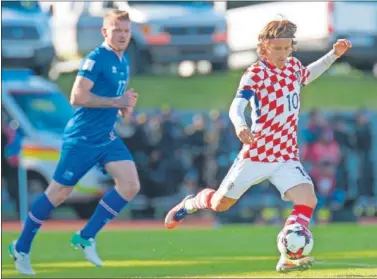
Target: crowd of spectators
{"points": [[178, 153], [338, 154]]}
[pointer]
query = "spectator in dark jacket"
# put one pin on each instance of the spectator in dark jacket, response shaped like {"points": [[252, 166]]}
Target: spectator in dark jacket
{"points": [[363, 148]]}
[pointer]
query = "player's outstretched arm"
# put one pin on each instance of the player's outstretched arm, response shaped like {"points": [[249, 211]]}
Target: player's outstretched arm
{"points": [[81, 96], [318, 67]]}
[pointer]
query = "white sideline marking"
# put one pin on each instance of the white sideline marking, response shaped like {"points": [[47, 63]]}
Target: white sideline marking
{"points": [[346, 264]]}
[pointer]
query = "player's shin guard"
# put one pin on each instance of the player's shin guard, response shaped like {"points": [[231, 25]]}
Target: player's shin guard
{"points": [[300, 214], [108, 208], [40, 210], [201, 201]]}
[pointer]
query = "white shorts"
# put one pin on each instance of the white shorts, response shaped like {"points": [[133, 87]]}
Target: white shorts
{"points": [[245, 173]]}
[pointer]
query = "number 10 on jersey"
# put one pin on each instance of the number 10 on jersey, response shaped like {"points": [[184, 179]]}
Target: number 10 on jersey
{"points": [[293, 101]]}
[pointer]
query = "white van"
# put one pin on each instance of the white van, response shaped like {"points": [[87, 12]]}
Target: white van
{"points": [[319, 25], [37, 109], [163, 32]]}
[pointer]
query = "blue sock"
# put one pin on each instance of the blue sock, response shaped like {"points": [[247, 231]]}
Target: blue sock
{"points": [[40, 210], [108, 207]]}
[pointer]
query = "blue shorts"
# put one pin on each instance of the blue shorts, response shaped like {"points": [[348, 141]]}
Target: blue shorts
{"points": [[76, 159]]}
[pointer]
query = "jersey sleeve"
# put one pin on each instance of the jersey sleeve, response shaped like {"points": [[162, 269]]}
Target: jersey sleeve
{"points": [[248, 84], [304, 72], [91, 66]]}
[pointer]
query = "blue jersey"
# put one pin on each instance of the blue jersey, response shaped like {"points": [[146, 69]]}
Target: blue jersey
{"points": [[110, 75]]}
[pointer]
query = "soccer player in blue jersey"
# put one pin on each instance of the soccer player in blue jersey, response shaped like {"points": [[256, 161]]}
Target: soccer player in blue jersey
{"points": [[99, 92]]}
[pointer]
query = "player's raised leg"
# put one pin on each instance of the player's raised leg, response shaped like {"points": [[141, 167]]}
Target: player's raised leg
{"points": [[241, 176], [119, 164], [206, 199], [295, 185]]}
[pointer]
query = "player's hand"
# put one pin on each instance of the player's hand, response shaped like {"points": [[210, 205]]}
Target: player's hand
{"points": [[244, 134], [125, 112], [341, 46], [128, 99]]}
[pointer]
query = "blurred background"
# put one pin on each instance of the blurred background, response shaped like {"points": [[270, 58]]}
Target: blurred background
{"points": [[186, 62]]}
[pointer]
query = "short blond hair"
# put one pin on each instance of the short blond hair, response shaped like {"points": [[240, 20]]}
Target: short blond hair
{"points": [[276, 29], [115, 15]]}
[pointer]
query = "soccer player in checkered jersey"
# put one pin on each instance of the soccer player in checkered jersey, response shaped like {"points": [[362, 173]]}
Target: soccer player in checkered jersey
{"points": [[272, 88]]}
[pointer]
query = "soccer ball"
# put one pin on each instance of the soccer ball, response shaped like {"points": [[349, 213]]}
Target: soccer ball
{"points": [[295, 241]]}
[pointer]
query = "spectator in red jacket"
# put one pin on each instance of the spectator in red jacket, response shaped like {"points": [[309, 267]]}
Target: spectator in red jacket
{"points": [[325, 149]]}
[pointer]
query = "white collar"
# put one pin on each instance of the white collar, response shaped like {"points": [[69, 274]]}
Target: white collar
{"points": [[106, 45]]}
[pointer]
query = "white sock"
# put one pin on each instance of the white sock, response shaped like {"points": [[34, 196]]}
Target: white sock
{"points": [[189, 206]]}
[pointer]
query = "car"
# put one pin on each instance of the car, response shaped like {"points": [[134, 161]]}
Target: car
{"points": [[167, 32], [38, 111], [163, 32], [26, 37]]}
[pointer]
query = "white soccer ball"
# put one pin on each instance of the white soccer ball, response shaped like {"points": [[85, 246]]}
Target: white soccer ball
{"points": [[295, 241]]}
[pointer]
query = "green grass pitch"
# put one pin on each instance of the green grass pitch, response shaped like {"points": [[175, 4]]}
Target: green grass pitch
{"points": [[216, 91], [342, 250]]}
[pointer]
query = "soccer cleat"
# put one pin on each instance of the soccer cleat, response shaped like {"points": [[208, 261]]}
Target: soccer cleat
{"points": [[287, 265], [176, 215], [88, 246], [21, 260]]}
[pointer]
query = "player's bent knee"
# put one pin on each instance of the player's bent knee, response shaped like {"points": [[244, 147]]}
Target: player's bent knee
{"points": [[220, 204], [128, 190], [303, 194], [312, 201], [57, 193], [308, 199], [133, 188], [126, 178], [220, 207]]}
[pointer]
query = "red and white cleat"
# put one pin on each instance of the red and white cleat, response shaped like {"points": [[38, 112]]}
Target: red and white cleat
{"points": [[176, 215]]}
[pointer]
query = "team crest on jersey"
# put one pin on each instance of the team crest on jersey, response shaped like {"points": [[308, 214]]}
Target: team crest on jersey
{"points": [[114, 70], [68, 175], [297, 74]]}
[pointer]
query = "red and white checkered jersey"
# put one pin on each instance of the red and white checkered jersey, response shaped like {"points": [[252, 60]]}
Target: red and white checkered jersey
{"points": [[275, 103]]}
